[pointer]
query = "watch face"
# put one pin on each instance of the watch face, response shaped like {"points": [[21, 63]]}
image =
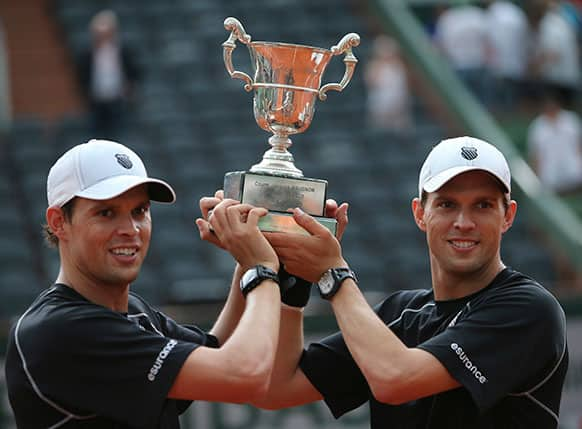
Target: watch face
{"points": [[248, 276], [325, 283]]}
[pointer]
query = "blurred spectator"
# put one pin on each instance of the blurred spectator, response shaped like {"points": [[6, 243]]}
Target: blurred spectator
{"points": [[555, 145], [507, 38], [555, 57], [388, 99], [460, 34], [555, 152], [108, 75]]}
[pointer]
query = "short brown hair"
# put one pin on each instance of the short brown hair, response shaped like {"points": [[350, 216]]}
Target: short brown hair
{"points": [[50, 239]]}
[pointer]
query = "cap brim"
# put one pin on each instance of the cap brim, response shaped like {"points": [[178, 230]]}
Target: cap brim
{"points": [[113, 187], [436, 182]]}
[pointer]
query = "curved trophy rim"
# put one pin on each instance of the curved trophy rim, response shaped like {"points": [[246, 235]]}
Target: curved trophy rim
{"points": [[297, 45]]}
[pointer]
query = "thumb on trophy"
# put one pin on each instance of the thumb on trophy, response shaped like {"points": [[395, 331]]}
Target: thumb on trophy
{"points": [[309, 223]]}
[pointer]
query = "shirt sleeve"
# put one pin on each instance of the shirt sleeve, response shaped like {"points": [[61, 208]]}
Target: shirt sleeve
{"points": [[190, 333], [506, 344], [331, 370], [98, 362]]}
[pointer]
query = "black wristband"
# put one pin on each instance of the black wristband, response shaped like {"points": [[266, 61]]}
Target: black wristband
{"points": [[295, 291]]}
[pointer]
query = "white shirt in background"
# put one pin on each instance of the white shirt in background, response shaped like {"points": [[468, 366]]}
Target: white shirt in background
{"points": [[508, 38], [557, 147], [461, 34], [107, 73], [557, 37]]}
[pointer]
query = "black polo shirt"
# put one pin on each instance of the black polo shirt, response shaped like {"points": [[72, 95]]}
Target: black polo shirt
{"points": [[506, 345], [74, 364]]}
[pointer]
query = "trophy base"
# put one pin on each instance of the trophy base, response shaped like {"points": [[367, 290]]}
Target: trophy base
{"points": [[284, 222], [279, 194]]}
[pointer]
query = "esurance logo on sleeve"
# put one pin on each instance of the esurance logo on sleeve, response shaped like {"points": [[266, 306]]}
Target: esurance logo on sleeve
{"points": [[160, 359], [468, 364]]}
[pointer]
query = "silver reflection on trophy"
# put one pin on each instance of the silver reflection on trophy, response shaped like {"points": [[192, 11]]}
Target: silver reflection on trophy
{"points": [[286, 83]]}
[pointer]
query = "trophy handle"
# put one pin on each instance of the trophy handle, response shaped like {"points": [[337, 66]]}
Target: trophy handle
{"points": [[237, 32], [345, 45]]}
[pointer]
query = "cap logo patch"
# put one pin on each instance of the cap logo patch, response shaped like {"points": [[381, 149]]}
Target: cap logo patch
{"points": [[469, 152], [124, 160]]}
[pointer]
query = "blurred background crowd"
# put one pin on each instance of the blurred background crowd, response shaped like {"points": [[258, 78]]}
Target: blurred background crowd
{"points": [[150, 74]]}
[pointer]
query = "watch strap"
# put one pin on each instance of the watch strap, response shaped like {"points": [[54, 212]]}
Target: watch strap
{"points": [[338, 275], [260, 273]]}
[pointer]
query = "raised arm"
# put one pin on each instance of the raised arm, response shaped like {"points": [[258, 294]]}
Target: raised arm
{"points": [[232, 310], [234, 306], [394, 372], [289, 386], [240, 369]]}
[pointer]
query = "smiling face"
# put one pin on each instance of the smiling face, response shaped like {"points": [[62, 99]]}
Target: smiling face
{"points": [[105, 242], [464, 221]]}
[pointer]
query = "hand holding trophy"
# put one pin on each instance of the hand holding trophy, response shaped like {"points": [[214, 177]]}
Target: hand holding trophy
{"points": [[286, 83]]}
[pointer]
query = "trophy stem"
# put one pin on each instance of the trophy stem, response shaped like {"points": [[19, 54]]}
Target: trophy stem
{"points": [[278, 160]]}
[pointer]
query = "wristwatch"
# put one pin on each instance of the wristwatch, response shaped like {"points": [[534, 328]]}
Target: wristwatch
{"points": [[254, 276], [332, 279]]}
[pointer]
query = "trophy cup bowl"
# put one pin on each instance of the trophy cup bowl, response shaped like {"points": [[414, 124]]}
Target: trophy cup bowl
{"points": [[286, 83]]}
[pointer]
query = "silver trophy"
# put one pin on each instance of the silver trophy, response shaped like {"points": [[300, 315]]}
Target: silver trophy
{"points": [[286, 83]]}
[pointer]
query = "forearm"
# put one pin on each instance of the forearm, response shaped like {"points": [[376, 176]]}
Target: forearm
{"points": [[290, 344], [285, 388], [395, 372], [232, 311], [251, 347], [380, 354], [355, 317], [240, 369]]}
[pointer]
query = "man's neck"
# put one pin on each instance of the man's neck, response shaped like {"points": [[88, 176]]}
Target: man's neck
{"points": [[449, 286], [114, 297]]}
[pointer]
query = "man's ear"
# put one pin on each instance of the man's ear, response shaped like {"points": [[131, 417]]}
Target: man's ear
{"points": [[509, 215], [55, 220], [418, 213]]}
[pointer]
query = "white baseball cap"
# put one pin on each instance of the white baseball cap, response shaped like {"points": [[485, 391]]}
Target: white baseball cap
{"points": [[452, 157], [100, 170]]}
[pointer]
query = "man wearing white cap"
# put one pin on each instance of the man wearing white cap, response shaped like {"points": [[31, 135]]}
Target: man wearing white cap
{"points": [[485, 347], [90, 353]]}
